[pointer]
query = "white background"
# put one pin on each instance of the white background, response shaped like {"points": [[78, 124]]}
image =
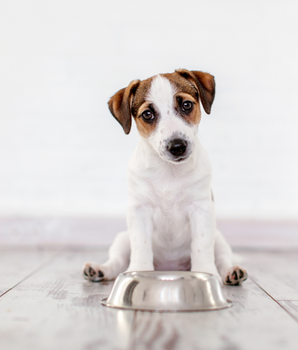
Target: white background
{"points": [[63, 155]]}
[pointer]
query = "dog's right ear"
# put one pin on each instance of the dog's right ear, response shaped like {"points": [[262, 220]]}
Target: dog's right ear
{"points": [[120, 105]]}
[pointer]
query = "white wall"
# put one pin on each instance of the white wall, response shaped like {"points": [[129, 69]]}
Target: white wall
{"points": [[62, 153]]}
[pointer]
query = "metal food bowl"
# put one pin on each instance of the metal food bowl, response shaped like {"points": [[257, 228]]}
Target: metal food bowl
{"points": [[167, 291]]}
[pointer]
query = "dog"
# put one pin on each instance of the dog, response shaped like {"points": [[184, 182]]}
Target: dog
{"points": [[171, 217]]}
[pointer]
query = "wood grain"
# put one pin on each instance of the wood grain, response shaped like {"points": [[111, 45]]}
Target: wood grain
{"points": [[291, 306], [276, 273], [17, 265], [56, 308]]}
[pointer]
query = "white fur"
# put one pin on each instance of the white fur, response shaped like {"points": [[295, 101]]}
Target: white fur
{"points": [[171, 216], [170, 125]]}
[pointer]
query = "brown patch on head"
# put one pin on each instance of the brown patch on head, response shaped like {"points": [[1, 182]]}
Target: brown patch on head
{"points": [[141, 95], [131, 101], [185, 91], [145, 129], [205, 84], [193, 116], [182, 85], [140, 104]]}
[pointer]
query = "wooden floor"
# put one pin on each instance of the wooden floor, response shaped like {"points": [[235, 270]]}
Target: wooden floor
{"points": [[46, 304]]}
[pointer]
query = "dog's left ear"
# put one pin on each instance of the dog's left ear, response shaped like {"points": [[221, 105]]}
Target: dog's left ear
{"points": [[120, 105], [205, 83]]}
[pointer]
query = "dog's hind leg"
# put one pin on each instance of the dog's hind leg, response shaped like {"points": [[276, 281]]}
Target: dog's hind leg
{"points": [[119, 255], [231, 274]]}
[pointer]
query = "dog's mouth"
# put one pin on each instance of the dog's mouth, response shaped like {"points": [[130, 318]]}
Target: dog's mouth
{"points": [[180, 159], [177, 160]]}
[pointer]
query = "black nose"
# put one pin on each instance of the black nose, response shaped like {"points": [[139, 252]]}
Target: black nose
{"points": [[177, 147]]}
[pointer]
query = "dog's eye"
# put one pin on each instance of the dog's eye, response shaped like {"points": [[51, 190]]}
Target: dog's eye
{"points": [[147, 115], [187, 105]]}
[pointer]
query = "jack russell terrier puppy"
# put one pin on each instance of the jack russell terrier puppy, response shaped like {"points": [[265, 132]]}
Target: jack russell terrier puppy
{"points": [[171, 218]]}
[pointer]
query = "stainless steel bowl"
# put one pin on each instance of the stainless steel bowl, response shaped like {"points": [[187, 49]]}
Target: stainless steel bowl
{"points": [[167, 291]]}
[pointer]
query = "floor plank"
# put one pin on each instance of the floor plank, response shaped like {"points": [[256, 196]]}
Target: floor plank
{"points": [[56, 308], [276, 273], [291, 306], [15, 265]]}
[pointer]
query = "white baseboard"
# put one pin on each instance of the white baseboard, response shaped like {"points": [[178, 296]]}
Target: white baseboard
{"points": [[100, 232], [260, 234]]}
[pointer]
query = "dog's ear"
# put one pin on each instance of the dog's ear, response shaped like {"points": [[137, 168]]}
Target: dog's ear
{"points": [[205, 83], [120, 105]]}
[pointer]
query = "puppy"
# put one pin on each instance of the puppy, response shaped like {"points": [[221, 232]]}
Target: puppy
{"points": [[171, 219]]}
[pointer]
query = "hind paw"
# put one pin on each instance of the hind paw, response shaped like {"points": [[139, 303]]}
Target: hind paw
{"points": [[93, 272], [235, 276]]}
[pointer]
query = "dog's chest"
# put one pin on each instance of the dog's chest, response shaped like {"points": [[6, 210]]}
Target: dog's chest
{"points": [[170, 228], [170, 216]]}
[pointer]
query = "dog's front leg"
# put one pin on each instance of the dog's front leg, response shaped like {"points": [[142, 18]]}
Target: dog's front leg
{"points": [[203, 229], [140, 234]]}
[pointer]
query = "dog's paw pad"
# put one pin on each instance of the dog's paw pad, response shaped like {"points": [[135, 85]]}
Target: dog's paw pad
{"points": [[235, 276], [92, 272]]}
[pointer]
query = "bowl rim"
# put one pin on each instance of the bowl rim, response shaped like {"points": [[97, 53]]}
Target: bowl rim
{"points": [[163, 272], [132, 308]]}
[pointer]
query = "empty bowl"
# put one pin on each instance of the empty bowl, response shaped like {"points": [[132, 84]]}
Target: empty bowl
{"points": [[167, 291]]}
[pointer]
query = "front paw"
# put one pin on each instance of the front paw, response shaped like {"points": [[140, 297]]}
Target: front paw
{"points": [[93, 272], [235, 276]]}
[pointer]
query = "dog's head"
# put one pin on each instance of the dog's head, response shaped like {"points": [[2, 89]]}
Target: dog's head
{"points": [[166, 110]]}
